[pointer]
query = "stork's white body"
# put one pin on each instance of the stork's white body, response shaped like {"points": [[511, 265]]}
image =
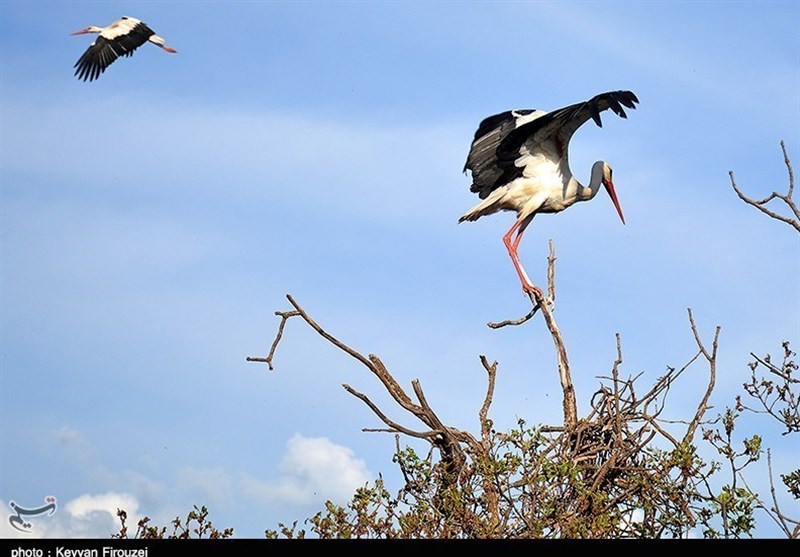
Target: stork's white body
{"points": [[519, 161], [550, 188]]}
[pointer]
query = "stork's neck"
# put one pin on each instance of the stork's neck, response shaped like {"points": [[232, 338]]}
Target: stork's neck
{"points": [[596, 180]]}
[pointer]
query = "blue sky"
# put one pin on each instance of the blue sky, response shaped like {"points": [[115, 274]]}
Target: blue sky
{"points": [[153, 221]]}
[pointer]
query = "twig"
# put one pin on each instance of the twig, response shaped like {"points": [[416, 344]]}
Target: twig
{"points": [[551, 273], [514, 322], [285, 315], [775, 370], [551, 295]]}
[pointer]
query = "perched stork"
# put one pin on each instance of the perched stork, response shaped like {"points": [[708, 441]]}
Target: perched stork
{"points": [[519, 162], [120, 38]]}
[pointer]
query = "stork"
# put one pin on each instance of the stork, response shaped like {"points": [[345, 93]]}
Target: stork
{"points": [[120, 38], [519, 161]]}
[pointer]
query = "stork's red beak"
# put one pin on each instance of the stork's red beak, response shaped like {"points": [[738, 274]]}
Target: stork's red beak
{"points": [[613, 195], [80, 32]]}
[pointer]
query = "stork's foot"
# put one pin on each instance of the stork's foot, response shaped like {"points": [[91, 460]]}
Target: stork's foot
{"points": [[532, 290], [535, 294]]}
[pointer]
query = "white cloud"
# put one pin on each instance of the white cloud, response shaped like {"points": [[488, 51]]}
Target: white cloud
{"points": [[87, 516], [314, 469], [86, 505], [68, 436]]}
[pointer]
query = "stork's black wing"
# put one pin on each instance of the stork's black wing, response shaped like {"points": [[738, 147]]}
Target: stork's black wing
{"points": [[503, 138], [559, 125], [103, 52], [489, 172]]}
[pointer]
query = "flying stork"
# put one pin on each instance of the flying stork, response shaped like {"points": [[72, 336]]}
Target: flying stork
{"points": [[120, 38], [519, 162]]}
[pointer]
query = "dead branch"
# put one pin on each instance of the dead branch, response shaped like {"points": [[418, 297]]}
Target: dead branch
{"points": [[545, 304], [786, 198], [447, 439], [711, 357], [774, 512], [570, 404], [285, 315], [551, 295], [514, 322], [483, 415], [782, 520], [394, 426]]}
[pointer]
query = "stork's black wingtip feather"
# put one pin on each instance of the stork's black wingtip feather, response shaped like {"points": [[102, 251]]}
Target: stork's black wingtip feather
{"points": [[631, 97]]}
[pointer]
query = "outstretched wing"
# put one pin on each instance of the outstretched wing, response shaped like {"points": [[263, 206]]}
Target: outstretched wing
{"points": [[505, 141], [559, 125], [488, 171], [120, 39]]}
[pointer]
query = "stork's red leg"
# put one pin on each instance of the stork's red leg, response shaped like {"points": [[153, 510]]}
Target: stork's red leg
{"points": [[519, 227]]}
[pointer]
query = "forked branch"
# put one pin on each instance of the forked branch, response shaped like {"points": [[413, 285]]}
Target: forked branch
{"points": [[447, 439], [711, 357], [535, 300], [545, 303], [761, 205]]}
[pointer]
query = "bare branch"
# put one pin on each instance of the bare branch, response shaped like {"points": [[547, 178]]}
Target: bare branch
{"points": [[551, 294], [545, 304], [761, 204], [447, 439], [570, 404], [285, 315], [514, 322], [551, 273], [780, 518], [712, 364], [615, 374], [782, 373], [395, 427], [333, 340], [483, 415]]}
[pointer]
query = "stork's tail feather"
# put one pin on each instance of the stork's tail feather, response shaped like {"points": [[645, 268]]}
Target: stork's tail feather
{"points": [[485, 207]]}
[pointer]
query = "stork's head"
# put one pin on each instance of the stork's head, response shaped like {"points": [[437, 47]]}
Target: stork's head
{"points": [[608, 183], [90, 29]]}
